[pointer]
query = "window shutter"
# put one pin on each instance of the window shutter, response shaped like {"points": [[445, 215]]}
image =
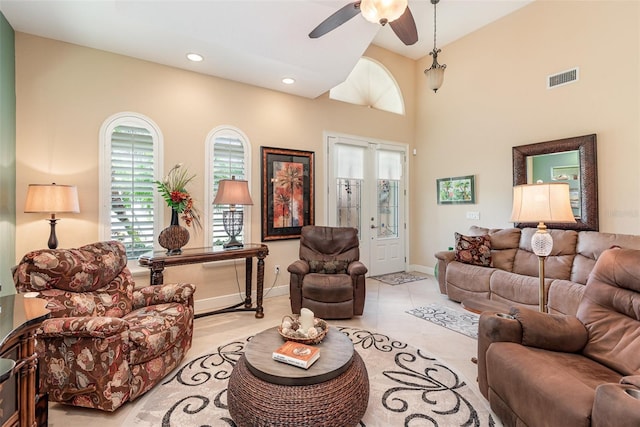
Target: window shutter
{"points": [[228, 161], [132, 189]]}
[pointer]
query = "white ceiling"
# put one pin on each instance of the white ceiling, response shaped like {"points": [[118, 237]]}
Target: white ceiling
{"points": [[251, 41]]}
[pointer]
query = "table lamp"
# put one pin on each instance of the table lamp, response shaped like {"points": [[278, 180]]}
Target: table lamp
{"points": [[542, 202], [232, 192], [52, 199]]}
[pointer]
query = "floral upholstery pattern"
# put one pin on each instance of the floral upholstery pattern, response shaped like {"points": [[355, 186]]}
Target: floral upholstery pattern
{"points": [[475, 250], [106, 343]]}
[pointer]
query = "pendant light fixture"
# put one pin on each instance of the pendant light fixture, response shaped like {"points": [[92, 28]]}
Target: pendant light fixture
{"points": [[435, 74]]}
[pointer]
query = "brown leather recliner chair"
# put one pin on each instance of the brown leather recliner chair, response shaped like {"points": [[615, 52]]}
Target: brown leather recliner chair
{"points": [[328, 279], [541, 369]]}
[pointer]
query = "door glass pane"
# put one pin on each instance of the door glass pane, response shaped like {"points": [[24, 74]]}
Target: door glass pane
{"points": [[349, 206], [387, 208]]}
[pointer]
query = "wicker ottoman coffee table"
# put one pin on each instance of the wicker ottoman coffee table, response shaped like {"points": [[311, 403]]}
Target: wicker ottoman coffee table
{"points": [[334, 391]]}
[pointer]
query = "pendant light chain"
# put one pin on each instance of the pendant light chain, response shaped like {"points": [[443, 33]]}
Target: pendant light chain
{"points": [[435, 23], [435, 73]]}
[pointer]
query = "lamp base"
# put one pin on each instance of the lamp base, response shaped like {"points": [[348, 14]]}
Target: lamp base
{"points": [[233, 244], [53, 239], [232, 221]]}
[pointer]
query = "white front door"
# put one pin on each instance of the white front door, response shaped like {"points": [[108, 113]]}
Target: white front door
{"points": [[367, 183]]}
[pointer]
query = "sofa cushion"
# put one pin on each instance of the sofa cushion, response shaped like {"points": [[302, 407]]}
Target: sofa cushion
{"points": [[591, 244], [155, 329], [516, 288], [475, 250], [467, 281], [558, 263], [564, 297], [610, 309], [85, 269], [504, 245], [316, 286], [560, 393]]}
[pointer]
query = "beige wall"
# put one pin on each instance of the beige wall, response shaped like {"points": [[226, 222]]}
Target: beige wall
{"points": [[494, 97], [65, 92]]}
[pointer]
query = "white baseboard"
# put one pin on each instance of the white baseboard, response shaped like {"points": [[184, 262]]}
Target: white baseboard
{"points": [[420, 269], [216, 303]]}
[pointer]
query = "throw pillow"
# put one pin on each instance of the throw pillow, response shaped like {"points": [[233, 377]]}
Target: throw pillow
{"points": [[329, 267], [475, 250]]}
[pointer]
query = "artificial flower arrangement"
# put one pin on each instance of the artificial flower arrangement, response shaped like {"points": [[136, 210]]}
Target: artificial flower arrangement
{"points": [[174, 192]]}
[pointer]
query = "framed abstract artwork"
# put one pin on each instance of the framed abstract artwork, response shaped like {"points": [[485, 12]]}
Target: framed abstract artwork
{"points": [[456, 190], [287, 194]]}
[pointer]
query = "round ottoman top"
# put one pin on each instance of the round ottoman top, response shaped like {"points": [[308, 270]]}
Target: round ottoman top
{"points": [[336, 354]]}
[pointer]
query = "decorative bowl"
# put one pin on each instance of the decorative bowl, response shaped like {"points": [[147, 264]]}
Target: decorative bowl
{"points": [[291, 333]]}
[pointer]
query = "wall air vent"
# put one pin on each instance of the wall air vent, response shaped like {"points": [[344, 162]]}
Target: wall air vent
{"points": [[563, 78]]}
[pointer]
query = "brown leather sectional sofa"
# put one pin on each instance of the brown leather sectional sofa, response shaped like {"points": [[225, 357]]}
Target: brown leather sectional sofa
{"points": [[513, 276], [542, 370]]}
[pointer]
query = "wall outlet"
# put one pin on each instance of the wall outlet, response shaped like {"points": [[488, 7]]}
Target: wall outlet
{"points": [[276, 269], [473, 215]]}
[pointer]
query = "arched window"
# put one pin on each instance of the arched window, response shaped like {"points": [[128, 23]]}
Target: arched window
{"points": [[228, 155], [130, 160], [370, 84]]}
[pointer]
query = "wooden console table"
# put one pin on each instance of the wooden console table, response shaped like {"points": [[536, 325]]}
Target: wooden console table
{"points": [[19, 397], [157, 261]]}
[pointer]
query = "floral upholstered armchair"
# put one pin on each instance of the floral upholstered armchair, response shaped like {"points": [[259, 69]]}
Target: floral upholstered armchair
{"points": [[106, 343]]}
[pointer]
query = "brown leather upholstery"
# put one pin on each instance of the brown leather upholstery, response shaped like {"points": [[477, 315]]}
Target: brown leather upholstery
{"points": [[513, 277], [330, 296], [541, 369]]}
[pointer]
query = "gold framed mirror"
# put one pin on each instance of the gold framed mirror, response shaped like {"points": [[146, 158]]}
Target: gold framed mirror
{"points": [[572, 160]]}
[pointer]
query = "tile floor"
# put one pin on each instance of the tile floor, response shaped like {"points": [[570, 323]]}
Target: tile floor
{"points": [[384, 312]]}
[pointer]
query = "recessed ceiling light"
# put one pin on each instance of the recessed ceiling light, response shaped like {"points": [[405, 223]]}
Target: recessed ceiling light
{"points": [[195, 57], [288, 81]]}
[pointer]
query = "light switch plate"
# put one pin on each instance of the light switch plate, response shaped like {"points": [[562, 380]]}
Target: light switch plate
{"points": [[473, 215]]}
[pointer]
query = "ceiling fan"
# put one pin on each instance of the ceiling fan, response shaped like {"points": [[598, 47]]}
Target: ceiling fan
{"points": [[394, 12]]}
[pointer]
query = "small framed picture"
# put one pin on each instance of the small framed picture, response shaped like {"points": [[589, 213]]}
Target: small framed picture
{"points": [[456, 190]]}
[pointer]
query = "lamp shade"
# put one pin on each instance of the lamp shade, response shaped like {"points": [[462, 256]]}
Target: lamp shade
{"points": [[233, 192], [51, 198], [547, 202], [382, 11], [435, 77]]}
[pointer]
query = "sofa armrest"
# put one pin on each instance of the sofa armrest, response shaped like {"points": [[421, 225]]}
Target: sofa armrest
{"points": [[356, 268], [633, 380], [494, 327], [79, 357], [299, 267], [555, 332], [160, 294], [616, 405], [78, 327], [298, 270], [444, 258]]}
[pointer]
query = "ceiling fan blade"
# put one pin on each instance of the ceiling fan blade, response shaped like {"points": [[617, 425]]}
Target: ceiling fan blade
{"points": [[334, 21], [405, 28]]}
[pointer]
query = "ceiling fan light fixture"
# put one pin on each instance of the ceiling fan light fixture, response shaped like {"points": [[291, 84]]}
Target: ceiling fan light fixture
{"points": [[435, 73], [382, 11]]}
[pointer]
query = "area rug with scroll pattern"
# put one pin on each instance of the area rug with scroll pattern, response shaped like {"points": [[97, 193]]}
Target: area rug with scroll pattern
{"points": [[400, 277], [408, 387], [463, 322]]}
